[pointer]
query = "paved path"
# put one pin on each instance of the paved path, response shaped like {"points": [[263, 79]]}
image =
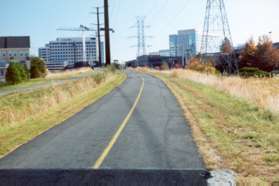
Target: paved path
{"points": [[138, 126]]}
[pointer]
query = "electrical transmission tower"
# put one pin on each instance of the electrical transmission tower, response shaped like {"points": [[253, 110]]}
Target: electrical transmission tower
{"points": [[141, 37], [216, 31]]}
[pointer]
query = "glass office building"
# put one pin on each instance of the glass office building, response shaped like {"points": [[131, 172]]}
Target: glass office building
{"points": [[173, 45], [183, 44]]}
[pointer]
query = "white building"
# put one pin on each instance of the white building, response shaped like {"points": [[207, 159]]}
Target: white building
{"points": [[3, 69], [66, 52]]}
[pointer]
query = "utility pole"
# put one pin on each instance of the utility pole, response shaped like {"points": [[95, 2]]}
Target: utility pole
{"points": [[99, 37], [107, 32]]}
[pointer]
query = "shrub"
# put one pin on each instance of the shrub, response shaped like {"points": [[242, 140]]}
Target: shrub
{"points": [[99, 77], [113, 67], [253, 72], [27, 72], [262, 55], [165, 66], [117, 66], [38, 68], [174, 74], [16, 73], [196, 65]]}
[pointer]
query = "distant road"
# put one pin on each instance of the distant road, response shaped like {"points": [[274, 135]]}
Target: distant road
{"points": [[138, 126]]}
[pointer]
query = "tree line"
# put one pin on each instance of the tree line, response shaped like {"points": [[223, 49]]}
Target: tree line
{"points": [[254, 59]]}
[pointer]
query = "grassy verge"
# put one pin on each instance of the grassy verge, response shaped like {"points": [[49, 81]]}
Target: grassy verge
{"points": [[231, 133], [25, 116], [63, 75], [5, 86]]}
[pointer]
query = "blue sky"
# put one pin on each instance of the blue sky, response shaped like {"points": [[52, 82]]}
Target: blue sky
{"points": [[41, 18]]}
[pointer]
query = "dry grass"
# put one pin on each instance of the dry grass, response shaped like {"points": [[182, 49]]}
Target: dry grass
{"points": [[24, 116], [262, 92], [68, 73], [231, 132], [18, 107], [51, 77]]}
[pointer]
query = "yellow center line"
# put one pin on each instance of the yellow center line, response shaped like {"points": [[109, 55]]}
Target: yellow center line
{"points": [[122, 126]]}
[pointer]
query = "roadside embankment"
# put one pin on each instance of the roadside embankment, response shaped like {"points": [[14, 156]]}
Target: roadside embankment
{"points": [[26, 115]]}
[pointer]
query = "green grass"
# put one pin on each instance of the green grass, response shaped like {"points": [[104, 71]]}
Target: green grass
{"points": [[16, 133], [246, 136], [39, 81], [6, 86]]}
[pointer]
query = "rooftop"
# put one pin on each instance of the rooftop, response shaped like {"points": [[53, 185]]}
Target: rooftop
{"points": [[15, 42], [72, 39]]}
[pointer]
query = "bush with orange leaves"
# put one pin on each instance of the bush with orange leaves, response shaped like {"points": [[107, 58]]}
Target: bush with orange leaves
{"points": [[197, 65], [262, 55]]}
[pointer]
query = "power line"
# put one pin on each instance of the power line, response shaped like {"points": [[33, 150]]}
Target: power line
{"points": [[115, 13], [168, 23]]}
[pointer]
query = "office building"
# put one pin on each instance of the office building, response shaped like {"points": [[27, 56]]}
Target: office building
{"points": [[164, 53], [43, 53], [67, 52], [15, 48], [173, 45], [154, 53], [183, 44], [3, 69]]}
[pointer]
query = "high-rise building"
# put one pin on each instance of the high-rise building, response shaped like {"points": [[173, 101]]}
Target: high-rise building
{"points": [[66, 52], [3, 69], [15, 48], [44, 53], [183, 44], [173, 45]]}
